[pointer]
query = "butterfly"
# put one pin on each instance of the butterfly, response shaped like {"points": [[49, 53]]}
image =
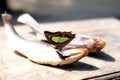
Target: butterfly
{"points": [[59, 39]]}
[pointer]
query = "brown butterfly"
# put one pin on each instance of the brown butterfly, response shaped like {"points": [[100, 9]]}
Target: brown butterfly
{"points": [[59, 39]]}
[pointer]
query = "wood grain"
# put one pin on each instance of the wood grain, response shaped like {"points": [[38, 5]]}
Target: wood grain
{"points": [[16, 67]]}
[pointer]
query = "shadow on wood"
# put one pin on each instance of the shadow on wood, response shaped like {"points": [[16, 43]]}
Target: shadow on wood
{"points": [[102, 55], [78, 66]]}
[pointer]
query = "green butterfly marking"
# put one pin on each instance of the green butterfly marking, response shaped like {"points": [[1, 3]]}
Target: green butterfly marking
{"points": [[60, 39]]}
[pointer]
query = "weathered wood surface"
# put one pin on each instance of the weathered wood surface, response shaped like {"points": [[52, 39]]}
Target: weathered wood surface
{"points": [[17, 67]]}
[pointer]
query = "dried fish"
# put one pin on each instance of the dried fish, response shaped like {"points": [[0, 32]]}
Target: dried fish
{"points": [[94, 44], [39, 52]]}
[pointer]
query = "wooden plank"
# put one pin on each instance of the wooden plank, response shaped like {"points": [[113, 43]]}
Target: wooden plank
{"points": [[17, 67]]}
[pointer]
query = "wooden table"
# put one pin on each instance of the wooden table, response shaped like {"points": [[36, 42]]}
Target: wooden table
{"points": [[102, 65]]}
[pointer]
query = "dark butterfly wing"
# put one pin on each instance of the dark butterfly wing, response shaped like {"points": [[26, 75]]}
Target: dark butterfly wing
{"points": [[59, 39]]}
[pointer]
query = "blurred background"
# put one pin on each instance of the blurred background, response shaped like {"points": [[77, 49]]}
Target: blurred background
{"points": [[62, 10]]}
